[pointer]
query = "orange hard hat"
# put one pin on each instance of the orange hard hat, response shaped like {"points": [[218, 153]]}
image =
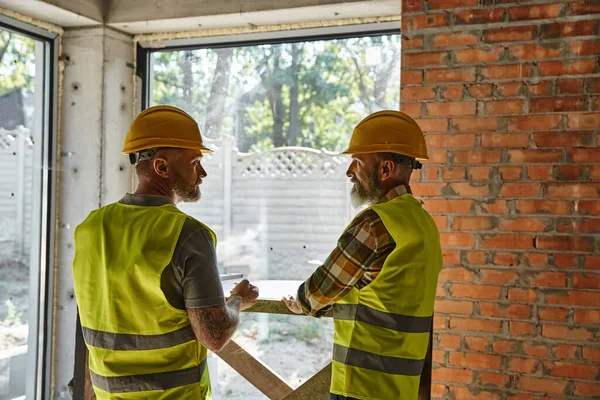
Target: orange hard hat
{"points": [[388, 131], [163, 126]]}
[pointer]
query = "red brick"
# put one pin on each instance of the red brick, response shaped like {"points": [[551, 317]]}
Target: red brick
{"points": [[521, 328], [480, 91], [504, 107], [504, 140], [592, 262], [498, 276], [423, 59], [412, 109], [454, 39], [411, 76], [477, 325], [586, 316], [448, 206], [510, 173], [587, 207], [586, 281], [591, 354], [533, 52], [454, 173], [450, 75], [479, 173], [452, 375], [510, 89], [504, 346], [533, 122], [456, 239], [505, 258], [557, 104], [573, 190], [593, 85], [585, 155], [412, 93], [523, 365], [523, 225], [438, 391], [495, 207], [558, 68], [504, 241], [471, 56], [534, 156], [565, 333], [474, 124], [543, 88], [520, 190], [565, 351], [546, 278], [450, 257], [440, 322], [432, 173], [433, 125], [535, 350], [543, 207], [556, 314], [509, 34], [536, 259], [541, 385], [561, 139], [411, 43], [441, 221], [461, 392], [564, 261], [438, 356], [594, 172], [578, 225], [454, 307], [585, 389], [572, 370], [577, 28], [531, 12], [444, 4], [466, 291], [456, 274], [522, 295], [453, 92], [570, 86], [566, 243], [476, 156], [583, 7], [493, 378], [472, 223], [512, 71], [585, 48], [568, 172], [427, 189], [410, 23], [513, 311], [476, 343], [471, 360], [479, 16], [468, 189], [452, 108], [575, 298], [448, 341], [539, 172]]}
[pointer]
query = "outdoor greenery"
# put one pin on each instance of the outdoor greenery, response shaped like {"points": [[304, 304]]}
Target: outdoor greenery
{"points": [[308, 94], [17, 62]]}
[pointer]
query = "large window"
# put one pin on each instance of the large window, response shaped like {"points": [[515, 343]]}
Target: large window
{"points": [[24, 214], [276, 193]]}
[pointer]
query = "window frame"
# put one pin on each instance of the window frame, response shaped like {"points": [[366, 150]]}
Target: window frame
{"points": [[45, 216]]}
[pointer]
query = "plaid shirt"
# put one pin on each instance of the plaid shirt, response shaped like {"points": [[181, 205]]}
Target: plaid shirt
{"points": [[356, 261]]}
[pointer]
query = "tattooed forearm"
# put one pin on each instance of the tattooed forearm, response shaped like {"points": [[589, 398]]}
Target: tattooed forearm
{"points": [[214, 326]]}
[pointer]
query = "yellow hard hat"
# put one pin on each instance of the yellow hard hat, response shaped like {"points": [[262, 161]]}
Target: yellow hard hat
{"points": [[388, 131], [163, 126]]}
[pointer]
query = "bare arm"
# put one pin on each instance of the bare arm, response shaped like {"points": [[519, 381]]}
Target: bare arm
{"points": [[214, 326]]}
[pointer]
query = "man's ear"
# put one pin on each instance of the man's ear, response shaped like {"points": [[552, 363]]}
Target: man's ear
{"points": [[161, 167], [387, 169]]}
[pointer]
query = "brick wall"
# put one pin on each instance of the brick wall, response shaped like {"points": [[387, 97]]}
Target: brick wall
{"points": [[508, 93]]}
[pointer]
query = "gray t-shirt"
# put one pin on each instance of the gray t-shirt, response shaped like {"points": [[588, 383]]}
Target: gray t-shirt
{"points": [[192, 279]]}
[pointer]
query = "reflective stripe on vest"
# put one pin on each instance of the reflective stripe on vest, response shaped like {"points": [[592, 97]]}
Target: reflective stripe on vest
{"points": [[140, 383], [121, 341], [389, 365], [396, 322]]}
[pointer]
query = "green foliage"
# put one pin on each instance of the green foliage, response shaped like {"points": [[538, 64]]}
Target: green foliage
{"points": [[13, 317], [299, 94], [17, 62]]}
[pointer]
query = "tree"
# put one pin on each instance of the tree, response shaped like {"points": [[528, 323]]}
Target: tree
{"points": [[17, 62]]}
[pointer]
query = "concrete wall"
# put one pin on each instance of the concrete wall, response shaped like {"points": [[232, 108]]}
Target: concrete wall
{"points": [[509, 97]]}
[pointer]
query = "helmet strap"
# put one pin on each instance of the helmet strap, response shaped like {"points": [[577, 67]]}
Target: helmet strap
{"points": [[411, 162], [142, 155]]}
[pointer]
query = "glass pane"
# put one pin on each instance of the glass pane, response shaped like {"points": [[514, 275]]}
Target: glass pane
{"points": [[276, 192], [21, 60]]}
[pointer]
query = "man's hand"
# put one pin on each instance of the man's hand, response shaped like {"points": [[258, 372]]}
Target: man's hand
{"points": [[247, 292], [292, 304]]}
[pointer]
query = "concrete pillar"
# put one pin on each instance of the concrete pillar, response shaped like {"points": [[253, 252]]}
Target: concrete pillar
{"points": [[96, 111]]}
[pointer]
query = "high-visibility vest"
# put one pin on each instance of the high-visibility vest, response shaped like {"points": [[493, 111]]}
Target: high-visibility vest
{"points": [[382, 330], [140, 347]]}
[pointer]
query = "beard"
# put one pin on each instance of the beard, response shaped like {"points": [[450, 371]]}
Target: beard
{"points": [[367, 192], [186, 192]]}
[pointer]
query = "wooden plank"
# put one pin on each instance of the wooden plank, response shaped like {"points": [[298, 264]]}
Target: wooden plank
{"points": [[316, 388], [255, 372]]}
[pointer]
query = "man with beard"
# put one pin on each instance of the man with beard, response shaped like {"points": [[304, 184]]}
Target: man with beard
{"points": [[381, 279], [146, 279]]}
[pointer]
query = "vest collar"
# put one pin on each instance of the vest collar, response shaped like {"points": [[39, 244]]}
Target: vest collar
{"points": [[395, 192]]}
